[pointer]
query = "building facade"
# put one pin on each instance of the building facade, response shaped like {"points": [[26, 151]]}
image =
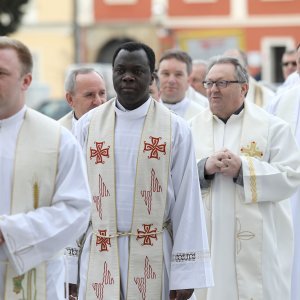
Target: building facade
{"points": [[61, 33]]}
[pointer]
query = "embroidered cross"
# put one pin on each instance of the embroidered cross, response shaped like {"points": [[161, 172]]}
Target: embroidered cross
{"points": [[252, 150], [107, 279], [155, 187], [103, 240], [99, 152], [147, 235], [141, 282], [154, 147]]}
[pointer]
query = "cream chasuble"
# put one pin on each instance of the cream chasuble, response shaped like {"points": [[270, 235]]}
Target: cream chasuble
{"points": [[31, 160], [146, 248], [259, 94], [250, 254], [68, 120]]}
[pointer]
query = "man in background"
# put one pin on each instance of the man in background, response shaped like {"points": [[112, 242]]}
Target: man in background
{"points": [[85, 89], [174, 70], [288, 63], [198, 75]]}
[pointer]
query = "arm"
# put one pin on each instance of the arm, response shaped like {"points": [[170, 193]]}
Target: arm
{"points": [[277, 176], [190, 265], [35, 236]]}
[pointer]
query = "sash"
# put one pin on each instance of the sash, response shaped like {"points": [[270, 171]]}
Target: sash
{"points": [[66, 120], [248, 218], [33, 186], [152, 172]]}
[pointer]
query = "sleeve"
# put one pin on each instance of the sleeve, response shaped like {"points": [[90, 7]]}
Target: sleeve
{"points": [[204, 180], [42, 233], [190, 261], [278, 177]]}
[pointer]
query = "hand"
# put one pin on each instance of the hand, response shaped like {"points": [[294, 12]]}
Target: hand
{"points": [[181, 294], [231, 164], [1, 238], [215, 163]]}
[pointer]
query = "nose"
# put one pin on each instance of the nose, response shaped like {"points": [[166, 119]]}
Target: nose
{"points": [[128, 77], [214, 87], [98, 100]]}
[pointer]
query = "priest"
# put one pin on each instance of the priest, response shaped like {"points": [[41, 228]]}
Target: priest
{"points": [[45, 197], [147, 238], [249, 164]]}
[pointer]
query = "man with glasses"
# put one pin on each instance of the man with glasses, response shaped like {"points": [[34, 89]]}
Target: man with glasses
{"points": [[288, 63], [248, 163]]}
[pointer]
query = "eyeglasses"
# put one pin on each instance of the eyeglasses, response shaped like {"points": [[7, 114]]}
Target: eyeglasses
{"points": [[221, 84], [293, 63]]}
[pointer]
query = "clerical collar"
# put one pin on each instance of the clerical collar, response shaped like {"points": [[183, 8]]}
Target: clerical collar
{"points": [[235, 113], [12, 119], [122, 108]]}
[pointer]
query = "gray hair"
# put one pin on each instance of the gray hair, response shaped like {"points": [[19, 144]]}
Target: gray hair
{"points": [[241, 73], [70, 81], [200, 62]]}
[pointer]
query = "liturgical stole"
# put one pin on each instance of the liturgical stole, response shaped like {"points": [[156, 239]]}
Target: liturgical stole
{"points": [[145, 264], [34, 177], [248, 218]]}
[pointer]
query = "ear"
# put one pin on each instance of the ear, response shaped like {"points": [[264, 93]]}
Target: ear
{"points": [[69, 98], [190, 79], [152, 79], [26, 81], [245, 88]]}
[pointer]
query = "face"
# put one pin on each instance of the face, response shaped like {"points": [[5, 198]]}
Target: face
{"points": [[224, 102], [174, 80], [197, 76], [12, 83], [89, 93], [132, 78], [289, 64]]}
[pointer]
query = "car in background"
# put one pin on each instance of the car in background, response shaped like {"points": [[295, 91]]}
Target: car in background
{"points": [[54, 109]]}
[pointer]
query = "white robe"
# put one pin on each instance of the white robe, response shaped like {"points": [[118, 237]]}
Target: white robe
{"points": [[191, 93], [187, 109], [287, 107], [267, 95], [47, 229], [183, 206], [277, 177]]}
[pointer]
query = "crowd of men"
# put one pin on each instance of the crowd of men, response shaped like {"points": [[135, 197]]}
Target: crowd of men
{"points": [[186, 185]]}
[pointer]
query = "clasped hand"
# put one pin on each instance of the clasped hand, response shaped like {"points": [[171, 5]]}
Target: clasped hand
{"points": [[224, 162]]}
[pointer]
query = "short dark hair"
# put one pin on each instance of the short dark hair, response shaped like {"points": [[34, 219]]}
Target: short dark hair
{"points": [[135, 46], [180, 56], [22, 51]]}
